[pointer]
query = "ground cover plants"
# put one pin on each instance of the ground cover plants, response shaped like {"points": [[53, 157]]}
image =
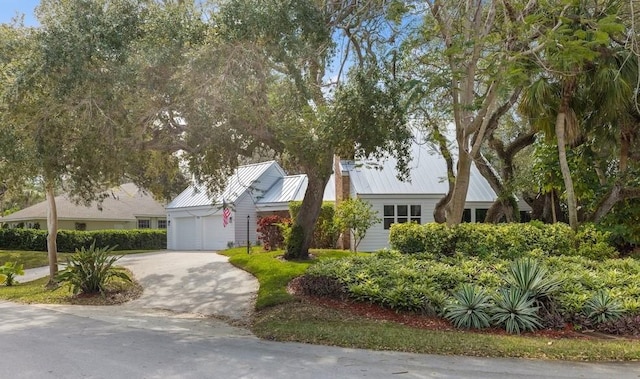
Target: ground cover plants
{"points": [[529, 293]]}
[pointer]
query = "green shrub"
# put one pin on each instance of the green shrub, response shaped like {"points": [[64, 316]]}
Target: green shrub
{"points": [[89, 270], [70, 240], [470, 308], [438, 239], [325, 234], [408, 238], [8, 273], [594, 244], [515, 310]]}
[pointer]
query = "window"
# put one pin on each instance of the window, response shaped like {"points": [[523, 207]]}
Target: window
{"points": [[81, 226], [525, 216], [162, 224], [401, 214], [144, 224], [481, 214], [466, 215]]}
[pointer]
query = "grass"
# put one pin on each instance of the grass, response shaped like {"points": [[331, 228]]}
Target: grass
{"points": [[32, 259], [304, 322], [282, 317], [273, 273], [35, 292]]}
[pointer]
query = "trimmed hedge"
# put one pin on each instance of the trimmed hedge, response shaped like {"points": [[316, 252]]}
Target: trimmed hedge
{"points": [[506, 241], [70, 240]]}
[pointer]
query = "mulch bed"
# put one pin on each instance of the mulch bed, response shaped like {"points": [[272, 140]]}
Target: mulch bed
{"points": [[416, 320]]}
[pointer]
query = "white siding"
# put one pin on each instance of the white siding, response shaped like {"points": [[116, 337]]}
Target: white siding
{"points": [[245, 207], [377, 237]]}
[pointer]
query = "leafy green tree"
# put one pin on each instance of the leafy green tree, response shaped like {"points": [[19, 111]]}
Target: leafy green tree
{"points": [[82, 97], [356, 216], [262, 80]]}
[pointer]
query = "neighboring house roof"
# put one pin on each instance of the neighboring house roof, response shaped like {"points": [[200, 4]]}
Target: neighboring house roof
{"points": [[126, 202], [249, 178], [428, 176]]}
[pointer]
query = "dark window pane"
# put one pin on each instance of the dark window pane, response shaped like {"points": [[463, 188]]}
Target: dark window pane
{"points": [[402, 220], [481, 214], [416, 210], [389, 211], [416, 220], [144, 224], [162, 224], [387, 223], [402, 210], [466, 215], [525, 216]]}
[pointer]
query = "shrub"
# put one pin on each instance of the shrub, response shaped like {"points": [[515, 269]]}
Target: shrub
{"points": [[325, 233], [515, 310], [602, 307], [270, 232], [625, 325], [89, 270], [8, 273], [356, 217], [470, 308], [321, 286], [408, 238], [70, 240], [594, 244]]}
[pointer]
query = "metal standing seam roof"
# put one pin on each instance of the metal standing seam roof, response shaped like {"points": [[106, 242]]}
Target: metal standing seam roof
{"points": [[123, 203], [293, 188], [428, 172], [244, 178]]}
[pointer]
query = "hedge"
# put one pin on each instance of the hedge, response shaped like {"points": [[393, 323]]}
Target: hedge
{"points": [[70, 240], [506, 241]]}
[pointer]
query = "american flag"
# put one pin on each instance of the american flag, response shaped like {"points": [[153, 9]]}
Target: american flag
{"points": [[226, 215]]}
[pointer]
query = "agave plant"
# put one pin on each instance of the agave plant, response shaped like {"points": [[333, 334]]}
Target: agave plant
{"points": [[8, 273], [602, 307], [89, 270], [515, 310], [531, 277], [470, 308]]}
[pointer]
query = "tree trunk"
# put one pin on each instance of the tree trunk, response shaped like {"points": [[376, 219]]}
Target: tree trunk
{"points": [[439, 212], [566, 172], [455, 207], [52, 233], [304, 224]]}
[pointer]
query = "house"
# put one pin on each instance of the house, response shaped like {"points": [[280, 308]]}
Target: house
{"points": [[123, 207], [412, 200], [196, 221]]}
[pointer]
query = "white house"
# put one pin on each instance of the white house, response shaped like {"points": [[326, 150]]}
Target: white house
{"points": [[195, 221]]}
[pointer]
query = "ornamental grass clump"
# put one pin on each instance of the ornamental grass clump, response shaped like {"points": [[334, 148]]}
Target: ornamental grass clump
{"points": [[89, 270]]}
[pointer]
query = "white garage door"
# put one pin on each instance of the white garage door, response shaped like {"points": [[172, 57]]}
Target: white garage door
{"points": [[214, 235], [186, 233]]}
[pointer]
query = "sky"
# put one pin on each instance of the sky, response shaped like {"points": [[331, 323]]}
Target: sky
{"points": [[9, 9]]}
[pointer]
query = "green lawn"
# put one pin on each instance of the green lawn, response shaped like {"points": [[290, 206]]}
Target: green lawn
{"points": [[31, 259], [273, 273], [281, 317]]}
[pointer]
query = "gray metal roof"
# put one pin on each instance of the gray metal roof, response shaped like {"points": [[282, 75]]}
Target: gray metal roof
{"points": [[255, 179], [293, 188], [428, 172], [122, 203]]}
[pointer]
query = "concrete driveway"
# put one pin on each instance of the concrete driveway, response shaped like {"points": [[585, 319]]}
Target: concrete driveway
{"points": [[195, 284]]}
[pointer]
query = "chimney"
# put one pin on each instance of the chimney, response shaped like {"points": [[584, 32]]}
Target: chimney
{"points": [[343, 190]]}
